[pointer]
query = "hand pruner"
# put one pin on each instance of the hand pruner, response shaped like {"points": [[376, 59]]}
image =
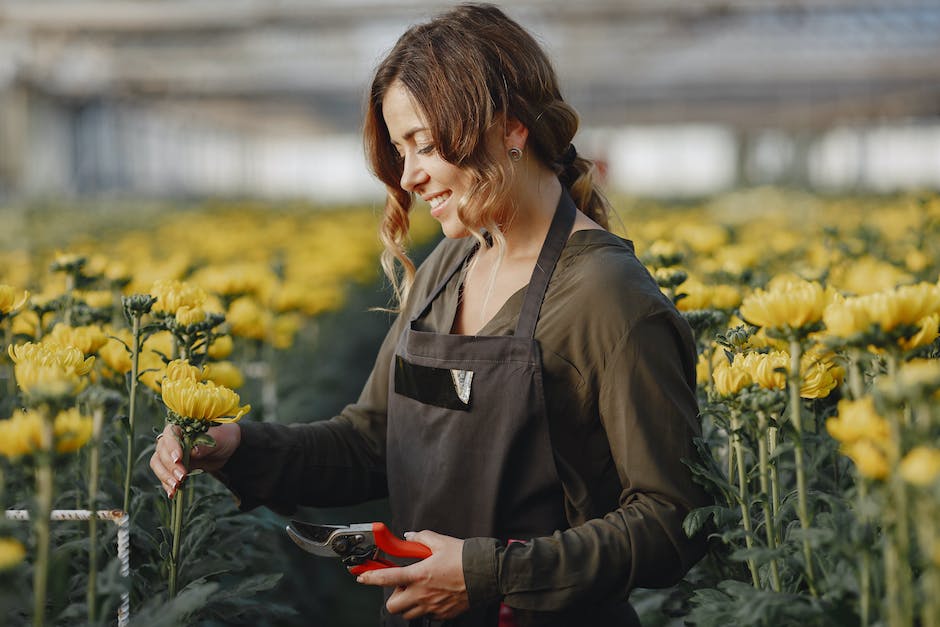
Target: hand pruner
{"points": [[361, 547]]}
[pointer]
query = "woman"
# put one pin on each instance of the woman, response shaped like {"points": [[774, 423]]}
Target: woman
{"points": [[531, 405]]}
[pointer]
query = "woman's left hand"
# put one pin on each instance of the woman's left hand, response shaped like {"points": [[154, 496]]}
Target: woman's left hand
{"points": [[433, 587]]}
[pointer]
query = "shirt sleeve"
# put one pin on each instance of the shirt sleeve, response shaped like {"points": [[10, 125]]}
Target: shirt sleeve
{"points": [[339, 461], [648, 409]]}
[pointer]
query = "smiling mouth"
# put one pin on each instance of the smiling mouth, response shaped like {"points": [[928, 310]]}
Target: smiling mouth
{"points": [[437, 201]]}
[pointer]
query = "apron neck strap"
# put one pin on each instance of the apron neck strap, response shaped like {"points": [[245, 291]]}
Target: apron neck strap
{"points": [[555, 241]]}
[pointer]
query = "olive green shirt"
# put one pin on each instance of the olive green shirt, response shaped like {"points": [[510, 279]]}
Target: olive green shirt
{"points": [[619, 373]]}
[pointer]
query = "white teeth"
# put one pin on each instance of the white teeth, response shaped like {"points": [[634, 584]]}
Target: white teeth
{"points": [[437, 200]]}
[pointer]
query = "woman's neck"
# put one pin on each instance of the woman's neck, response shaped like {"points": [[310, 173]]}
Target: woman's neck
{"points": [[536, 199]]}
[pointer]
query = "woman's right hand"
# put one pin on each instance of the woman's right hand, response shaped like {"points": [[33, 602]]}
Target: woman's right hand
{"points": [[166, 461]]}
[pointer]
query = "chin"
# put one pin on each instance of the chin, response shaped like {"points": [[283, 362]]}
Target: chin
{"points": [[453, 229]]}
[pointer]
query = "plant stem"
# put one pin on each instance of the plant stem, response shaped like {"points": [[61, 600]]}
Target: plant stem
{"points": [[7, 341], [131, 412], [802, 491], [43, 514], [774, 478], [770, 525], [93, 462], [742, 494], [864, 568], [856, 379], [898, 544], [177, 519]]}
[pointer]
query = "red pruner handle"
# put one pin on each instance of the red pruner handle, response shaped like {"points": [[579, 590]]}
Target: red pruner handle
{"points": [[392, 545], [358, 569]]}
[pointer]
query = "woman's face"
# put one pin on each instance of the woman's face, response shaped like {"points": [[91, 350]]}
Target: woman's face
{"points": [[439, 183]]}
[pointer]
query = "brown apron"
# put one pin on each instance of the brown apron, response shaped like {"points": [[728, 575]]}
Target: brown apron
{"points": [[468, 451]]}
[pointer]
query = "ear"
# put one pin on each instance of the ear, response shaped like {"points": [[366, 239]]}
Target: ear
{"points": [[515, 135]]}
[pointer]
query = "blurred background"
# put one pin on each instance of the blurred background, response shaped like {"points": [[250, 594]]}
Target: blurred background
{"points": [[261, 98]]}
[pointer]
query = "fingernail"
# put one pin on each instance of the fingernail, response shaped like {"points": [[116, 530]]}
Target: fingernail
{"points": [[360, 579], [175, 456], [179, 474], [409, 534]]}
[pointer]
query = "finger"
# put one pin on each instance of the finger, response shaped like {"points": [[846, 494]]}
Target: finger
{"points": [[401, 601], [388, 577], [167, 481], [429, 539]]}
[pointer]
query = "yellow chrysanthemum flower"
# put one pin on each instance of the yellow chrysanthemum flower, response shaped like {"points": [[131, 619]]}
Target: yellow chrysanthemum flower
{"points": [[858, 420], [221, 347], [180, 369], [72, 430], [172, 294], [12, 552], [152, 368], [26, 323], [731, 378], [929, 331], [87, 339], [187, 315], [908, 304], [867, 275], [115, 354], [50, 370], [846, 317], [247, 318], [819, 373], [203, 402], [11, 299], [767, 370], [871, 461], [237, 279], [21, 434], [700, 296], [161, 342], [921, 466], [100, 299], [283, 330], [225, 373], [794, 304]]}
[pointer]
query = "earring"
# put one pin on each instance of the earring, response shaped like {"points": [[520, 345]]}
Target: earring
{"points": [[515, 154]]}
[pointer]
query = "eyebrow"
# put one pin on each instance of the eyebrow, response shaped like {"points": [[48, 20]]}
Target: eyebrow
{"points": [[410, 133]]}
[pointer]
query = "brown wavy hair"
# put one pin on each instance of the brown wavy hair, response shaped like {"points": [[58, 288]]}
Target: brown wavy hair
{"points": [[469, 69]]}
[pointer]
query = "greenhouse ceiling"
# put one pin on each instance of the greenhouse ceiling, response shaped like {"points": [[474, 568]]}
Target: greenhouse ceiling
{"points": [[738, 62]]}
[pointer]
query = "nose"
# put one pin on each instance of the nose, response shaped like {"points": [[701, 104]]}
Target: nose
{"points": [[412, 175]]}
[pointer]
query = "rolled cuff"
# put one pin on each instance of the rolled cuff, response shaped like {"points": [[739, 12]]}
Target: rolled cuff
{"points": [[479, 571]]}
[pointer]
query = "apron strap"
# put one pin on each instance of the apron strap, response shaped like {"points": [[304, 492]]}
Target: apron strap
{"points": [[421, 311], [555, 241]]}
